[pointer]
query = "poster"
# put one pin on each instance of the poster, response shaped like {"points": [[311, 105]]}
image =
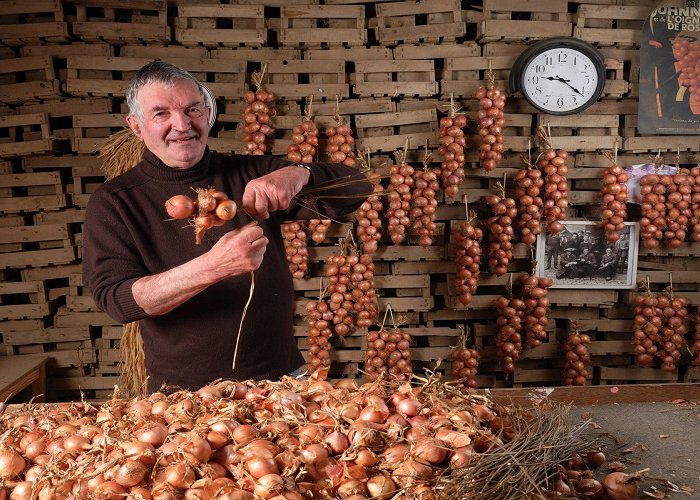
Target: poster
{"points": [[669, 76]]}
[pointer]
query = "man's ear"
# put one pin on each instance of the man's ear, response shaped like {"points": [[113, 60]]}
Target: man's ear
{"points": [[134, 126]]}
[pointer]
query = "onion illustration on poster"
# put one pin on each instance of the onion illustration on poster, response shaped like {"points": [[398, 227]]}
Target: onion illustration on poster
{"points": [[669, 75]]}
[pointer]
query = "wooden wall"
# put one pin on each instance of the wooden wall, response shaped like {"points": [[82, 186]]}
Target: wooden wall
{"points": [[64, 67]]}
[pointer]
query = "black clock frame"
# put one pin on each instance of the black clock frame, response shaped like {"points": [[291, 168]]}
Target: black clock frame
{"points": [[515, 80]]}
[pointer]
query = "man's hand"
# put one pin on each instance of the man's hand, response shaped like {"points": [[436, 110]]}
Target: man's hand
{"points": [[273, 191], [238, 252]]}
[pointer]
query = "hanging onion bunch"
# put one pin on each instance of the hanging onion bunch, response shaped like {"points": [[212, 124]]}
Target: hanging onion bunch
{"points": [[258, 115], [467, 258], [696, 339], [364, 291], [451, 149], [672, 335], [678, 208], [339, 270], [556, 187], [509, 346], [465, 362], [577, 357], [500, 249], [528, 189], [424, 202], [318, 229], [399, 196], [534, 293], [212, 208], [369, 222], [304, 139], [653, 221], [295, 247], [388, 355], [319, 321], [492, 121], [613, 206], [340, 142], [648, 323], [695, 203]]}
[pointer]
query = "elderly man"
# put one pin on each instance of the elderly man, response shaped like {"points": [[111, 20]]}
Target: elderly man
{"points": [[188, 298]]}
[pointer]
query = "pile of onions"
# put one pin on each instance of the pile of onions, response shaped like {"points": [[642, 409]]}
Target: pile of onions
{"points": [[509, 345], [424, 204], [467, 259], [576, 357], [212, 208], [319, 320], [304, 142], [672, 334], [364, 292], [647, 325], [613, 206], [399, 197], [369, 222], [388, 355], [257, 116], [296, 248], [492, 121], [340, 298], [451, 149], [500, 249], [534, 294], [465, 362], [696, 339], [340, 144], [318, 229], [653, 220], [556, 188], [528, 187], [695, 203]]}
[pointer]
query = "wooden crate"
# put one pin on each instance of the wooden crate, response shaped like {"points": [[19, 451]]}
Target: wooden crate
{"points": [[217, 25], [419, 21], [38, 21], [29, 79], [382, 132], [465, 74], [118, 21], [582, 132], [23, 135], [326, 26], [91, 131], [656, 143], [59, 112], [258, 55], [395, 78], [605, 25], [326, 80], [503, 20], [51, 192], [25, 300]]}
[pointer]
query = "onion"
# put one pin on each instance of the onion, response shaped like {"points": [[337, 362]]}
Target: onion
{"points": [[180, 206], [619, 486], [269, 485], [130, 473], [380, 487], [11, 464], [179, 475]]}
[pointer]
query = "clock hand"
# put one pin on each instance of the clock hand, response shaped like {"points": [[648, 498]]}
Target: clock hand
{"points": [[565, 82]]}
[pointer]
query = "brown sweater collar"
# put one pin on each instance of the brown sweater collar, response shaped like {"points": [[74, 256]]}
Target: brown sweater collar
{"points": [[153, 167]]}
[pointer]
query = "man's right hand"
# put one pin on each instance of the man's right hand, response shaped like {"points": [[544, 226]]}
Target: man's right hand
{"points": [[239, 251]]}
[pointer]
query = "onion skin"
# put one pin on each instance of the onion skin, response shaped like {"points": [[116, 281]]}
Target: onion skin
{"points": [[618, 486]]}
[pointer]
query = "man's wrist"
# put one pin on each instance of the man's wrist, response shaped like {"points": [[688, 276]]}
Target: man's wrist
{"points": [[304, 166]]}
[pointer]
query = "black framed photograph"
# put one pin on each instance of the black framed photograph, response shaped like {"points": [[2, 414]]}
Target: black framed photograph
{"points": [[580, 257]]}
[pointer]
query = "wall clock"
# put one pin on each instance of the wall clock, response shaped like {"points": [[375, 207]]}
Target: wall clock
{"points": [[559, 76]]}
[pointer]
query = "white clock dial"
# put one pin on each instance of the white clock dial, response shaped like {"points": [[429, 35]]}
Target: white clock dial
{"points": [[560, 80]]}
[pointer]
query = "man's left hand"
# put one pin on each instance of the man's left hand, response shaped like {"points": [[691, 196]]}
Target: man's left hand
{"points": [[273, 191]]}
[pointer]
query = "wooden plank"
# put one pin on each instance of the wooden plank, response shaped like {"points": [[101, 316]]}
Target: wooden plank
{"points": [[47, 335], [20, 372], [82, 383]]}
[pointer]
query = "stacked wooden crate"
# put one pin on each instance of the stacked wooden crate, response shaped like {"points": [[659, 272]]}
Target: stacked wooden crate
{"points": [[389, 69]]}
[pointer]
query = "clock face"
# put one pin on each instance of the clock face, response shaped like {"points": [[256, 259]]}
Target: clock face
{"points": [[561, 80]]}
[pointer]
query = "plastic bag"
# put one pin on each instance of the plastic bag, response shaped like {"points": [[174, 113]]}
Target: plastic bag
{"points": [[636, 172]]}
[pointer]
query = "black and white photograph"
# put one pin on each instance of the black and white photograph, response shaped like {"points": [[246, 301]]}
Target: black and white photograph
{"points": [[581, 257]]}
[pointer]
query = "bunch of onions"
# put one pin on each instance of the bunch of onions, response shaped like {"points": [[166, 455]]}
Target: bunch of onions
{"points": [[257, 117], [212, 208], [424, 204], [613, 206], [388, 355], [465, 362], [653, 220], [369, 223], [696, 339], [339, 271], [363, 291], [451, 149], [318, 229], [304, 141], [509, 345], [467, 259], [678, 208], [340, 144], [500, 249], [695, 203], [528, 187], [296, 248], [576, 357], [672, 335], [492, 121], [319, 320], [534, 294], [647, 325], [399, 197], [556, 188]]}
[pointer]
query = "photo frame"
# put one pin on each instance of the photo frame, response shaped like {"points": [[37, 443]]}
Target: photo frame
{"points": [[581, 257]]}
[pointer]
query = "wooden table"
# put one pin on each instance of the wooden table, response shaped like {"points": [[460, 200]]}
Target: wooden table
{"points": [[19, 372]]}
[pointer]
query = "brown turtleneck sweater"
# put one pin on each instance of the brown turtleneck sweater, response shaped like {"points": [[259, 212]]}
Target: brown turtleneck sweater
{"points": [[126, 236]]}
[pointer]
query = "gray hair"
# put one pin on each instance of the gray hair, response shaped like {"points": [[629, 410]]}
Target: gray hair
{"points": [[164, 73]]}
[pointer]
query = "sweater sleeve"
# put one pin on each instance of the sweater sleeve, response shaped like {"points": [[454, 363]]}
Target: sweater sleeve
{"points": [[110, 262]]}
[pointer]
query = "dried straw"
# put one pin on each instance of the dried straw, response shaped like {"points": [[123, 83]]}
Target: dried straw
{"points": [[121, 152]]}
